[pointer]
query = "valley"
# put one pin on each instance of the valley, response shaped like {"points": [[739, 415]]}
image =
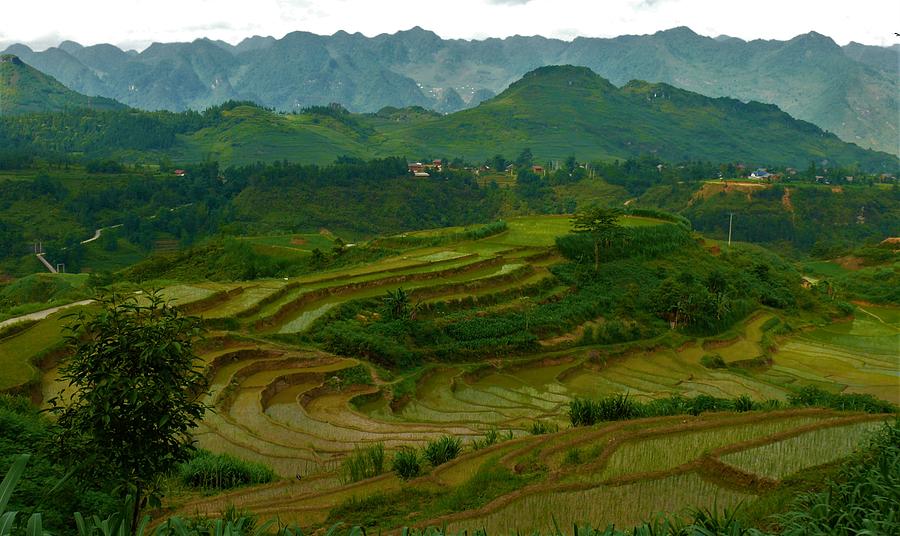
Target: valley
{"points": [[403, 284]]}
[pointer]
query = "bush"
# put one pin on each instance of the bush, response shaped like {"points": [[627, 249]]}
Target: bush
{"points": [[222, 471], [442, 450], [406, 463], [813, 396], [363, 463], [713, 361]]}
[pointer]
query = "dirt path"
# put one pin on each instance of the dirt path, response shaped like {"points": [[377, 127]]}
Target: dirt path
{"points": [[98, 232], [40, 315], [876, 317]]}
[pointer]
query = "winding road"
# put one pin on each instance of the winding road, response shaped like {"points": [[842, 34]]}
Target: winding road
{"points": [[40, 315]]}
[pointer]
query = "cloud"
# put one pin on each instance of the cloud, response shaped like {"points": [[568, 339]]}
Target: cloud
{"points": [[509, 2]]}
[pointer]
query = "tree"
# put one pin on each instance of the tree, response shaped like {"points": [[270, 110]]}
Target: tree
{"points": [[498, 163], [134, 394], [601, 223], [398, 305], [525, 159]]}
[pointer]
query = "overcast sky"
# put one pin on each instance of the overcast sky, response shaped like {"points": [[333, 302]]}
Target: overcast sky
{"points": [[137, 23]]}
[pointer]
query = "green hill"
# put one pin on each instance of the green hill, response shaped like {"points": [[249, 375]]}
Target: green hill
{"points": [[556, 111], [24, 89], [565, 110]]}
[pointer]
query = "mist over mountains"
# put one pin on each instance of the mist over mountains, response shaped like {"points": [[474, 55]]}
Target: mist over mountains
{"points": [[851, 90]]}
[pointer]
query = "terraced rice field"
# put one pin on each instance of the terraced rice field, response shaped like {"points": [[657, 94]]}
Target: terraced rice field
{"points": [[287, 406], [782, 458], [623, 505]]}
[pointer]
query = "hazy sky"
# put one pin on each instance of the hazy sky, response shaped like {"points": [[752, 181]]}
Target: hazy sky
{"points": [[137, 23]]}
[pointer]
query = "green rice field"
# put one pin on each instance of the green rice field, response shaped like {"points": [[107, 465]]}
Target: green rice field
{"points": [[281, 399]]}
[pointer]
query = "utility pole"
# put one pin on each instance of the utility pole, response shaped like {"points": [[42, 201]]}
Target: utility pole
{"points": [[730, 219]]}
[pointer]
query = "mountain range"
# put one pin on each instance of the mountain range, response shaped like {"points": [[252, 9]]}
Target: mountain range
{"points": [[555, 110], [851, 90], [24, 89]]}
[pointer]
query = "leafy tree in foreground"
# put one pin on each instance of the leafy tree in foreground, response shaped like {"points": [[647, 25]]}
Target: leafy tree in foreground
{"points": [[601, 223], [134, 395]]}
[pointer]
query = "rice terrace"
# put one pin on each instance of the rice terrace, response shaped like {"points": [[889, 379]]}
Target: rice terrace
{"points": [[308, 268], [288, 393]]}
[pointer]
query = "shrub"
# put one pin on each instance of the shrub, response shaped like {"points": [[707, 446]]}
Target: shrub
{"points": [[442, 450], [406, 463], [222, 471], [813, 396], [713, 361]]}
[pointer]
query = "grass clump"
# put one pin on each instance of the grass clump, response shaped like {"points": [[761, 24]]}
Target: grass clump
{"points": [[442, 450], [222, 471], [490, 438], [585, 412], [363, 463], [406, 463], [542, 428]]}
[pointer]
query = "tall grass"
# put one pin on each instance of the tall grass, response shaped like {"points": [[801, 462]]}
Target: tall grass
{"points": [[363, 463], [222, 471], [442, 450], [406, 463]]}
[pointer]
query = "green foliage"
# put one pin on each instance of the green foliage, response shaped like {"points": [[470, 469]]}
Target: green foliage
{"points": [[24, 429], [492, 437], [135, 394], [713, 361], [601, 225], [441, 451], [640, 243], [810, 396], [542, 428], [406, 463], [206, 470], [363, 463], [397, 304], [587, 412]]}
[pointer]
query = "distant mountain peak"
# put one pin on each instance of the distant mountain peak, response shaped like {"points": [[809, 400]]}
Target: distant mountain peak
{"points": [[70, 46]]}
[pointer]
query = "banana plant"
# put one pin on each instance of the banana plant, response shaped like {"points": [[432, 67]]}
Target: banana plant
{"points": [[35, 525]]}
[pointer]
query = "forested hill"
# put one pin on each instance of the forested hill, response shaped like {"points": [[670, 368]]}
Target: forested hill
{"points": [[24, 89], [556, 111], [566, 109], [851, 91]]}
